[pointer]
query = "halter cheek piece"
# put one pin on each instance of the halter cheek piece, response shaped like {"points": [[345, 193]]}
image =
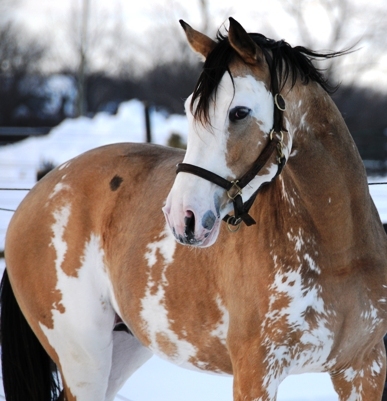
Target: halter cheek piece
{"points": [[234, 188]]}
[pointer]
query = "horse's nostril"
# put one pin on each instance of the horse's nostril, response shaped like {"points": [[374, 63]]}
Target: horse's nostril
{"points": [[208, 220], [189, 221]]}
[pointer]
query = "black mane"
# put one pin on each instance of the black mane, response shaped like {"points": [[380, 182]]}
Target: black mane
{"points": [[284, 61]]}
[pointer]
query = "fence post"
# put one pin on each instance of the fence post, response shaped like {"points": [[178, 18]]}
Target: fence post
{"points": [[147, 123]]}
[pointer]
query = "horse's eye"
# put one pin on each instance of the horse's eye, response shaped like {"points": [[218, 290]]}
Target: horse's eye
{"points": [[239, 113]]}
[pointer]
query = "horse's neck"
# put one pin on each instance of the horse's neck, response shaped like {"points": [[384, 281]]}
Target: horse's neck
{"points": [[324, 182]]}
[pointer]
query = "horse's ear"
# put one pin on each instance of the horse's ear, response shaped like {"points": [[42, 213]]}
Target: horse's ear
{"points": [[242, 43], [199, 42]]}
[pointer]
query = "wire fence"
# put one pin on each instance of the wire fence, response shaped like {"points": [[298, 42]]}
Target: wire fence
{"points": [[28, 189]]}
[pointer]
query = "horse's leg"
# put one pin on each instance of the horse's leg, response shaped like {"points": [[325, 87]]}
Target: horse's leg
{"points": [[81, 336], [128, 356], [98, 361], [257, 372], [365, 382], [85, 358]]}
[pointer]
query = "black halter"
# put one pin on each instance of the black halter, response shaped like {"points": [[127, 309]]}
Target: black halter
{"points": [[234, 188]]}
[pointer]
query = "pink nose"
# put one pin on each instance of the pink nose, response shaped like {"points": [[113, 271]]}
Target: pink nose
{"points": [[191, 229]]}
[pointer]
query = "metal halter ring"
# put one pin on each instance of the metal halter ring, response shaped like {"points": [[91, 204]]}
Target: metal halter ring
{"points": [[279, 102], [231, 227]]}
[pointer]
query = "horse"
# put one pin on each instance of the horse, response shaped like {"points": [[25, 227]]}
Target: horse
{"points": [[262, 258]]}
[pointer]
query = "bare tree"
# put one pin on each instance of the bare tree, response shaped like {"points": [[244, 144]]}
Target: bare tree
{"points": [[343, 24], [19, 60], [205, 15], [6, 6], [96, 40], [83, 58]]}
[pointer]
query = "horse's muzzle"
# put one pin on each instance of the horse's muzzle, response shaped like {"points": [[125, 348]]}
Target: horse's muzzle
{"points": [[193, 230]]}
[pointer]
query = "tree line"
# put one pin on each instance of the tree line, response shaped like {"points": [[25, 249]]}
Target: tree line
{"points": [[29, 94]]}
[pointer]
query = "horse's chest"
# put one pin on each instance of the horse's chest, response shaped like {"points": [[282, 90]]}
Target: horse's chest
{"points": [[297, 328], [191, 339], [178, 313]]}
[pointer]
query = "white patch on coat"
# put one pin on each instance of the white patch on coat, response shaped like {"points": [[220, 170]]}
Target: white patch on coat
{"points": [[350, 375], [371, 318], [303, 123], [154, 312], [354, 396], [300, 297], [299, 243], [58, 188], [376, 368], [64, 165], [294, 153], [258, 180], [297, 239], [286, 195], [82, 329], [166, 246], [312, 264], [61, 217], [222, 328], [316, 340]]}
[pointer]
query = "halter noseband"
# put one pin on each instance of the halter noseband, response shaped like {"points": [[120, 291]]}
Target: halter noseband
{"points": [[234, 188]]}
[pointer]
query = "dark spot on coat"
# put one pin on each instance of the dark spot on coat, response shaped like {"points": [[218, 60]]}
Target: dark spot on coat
{"points": [[115, 182]]}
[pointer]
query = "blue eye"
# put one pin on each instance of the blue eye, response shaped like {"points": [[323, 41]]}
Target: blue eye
{"points": [[239, 113]]}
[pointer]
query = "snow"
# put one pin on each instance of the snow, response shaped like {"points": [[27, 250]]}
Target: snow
{"points": [[157, 380]]}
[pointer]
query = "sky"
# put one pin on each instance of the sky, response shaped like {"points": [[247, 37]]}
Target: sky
{"points": [[50, 20]]}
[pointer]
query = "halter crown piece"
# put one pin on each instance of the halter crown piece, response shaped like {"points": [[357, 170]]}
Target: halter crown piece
{"points": [[234, 188]]}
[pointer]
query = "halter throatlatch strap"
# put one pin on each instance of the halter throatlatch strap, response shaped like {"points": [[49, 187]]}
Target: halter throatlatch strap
{"points": [[234, 188]]}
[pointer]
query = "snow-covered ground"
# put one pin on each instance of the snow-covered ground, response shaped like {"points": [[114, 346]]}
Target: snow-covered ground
{"points": [[157, 380]]}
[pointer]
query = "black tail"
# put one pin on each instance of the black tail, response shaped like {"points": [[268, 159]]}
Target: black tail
{"points": [[28, 371]]}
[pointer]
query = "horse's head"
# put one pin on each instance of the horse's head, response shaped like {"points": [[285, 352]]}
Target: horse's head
{"points": [[235, 140]]}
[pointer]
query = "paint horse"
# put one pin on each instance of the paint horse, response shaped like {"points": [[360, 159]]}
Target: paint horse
{"points": [[301, 287]]}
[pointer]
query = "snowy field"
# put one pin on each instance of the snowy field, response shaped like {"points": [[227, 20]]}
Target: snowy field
{"points": [[157, 380]]}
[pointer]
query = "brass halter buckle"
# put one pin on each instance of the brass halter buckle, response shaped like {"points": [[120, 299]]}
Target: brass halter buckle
{"points": [[238, 190]]}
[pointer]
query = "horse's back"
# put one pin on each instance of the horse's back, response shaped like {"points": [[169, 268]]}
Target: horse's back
{"points": [[90, 185]]}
